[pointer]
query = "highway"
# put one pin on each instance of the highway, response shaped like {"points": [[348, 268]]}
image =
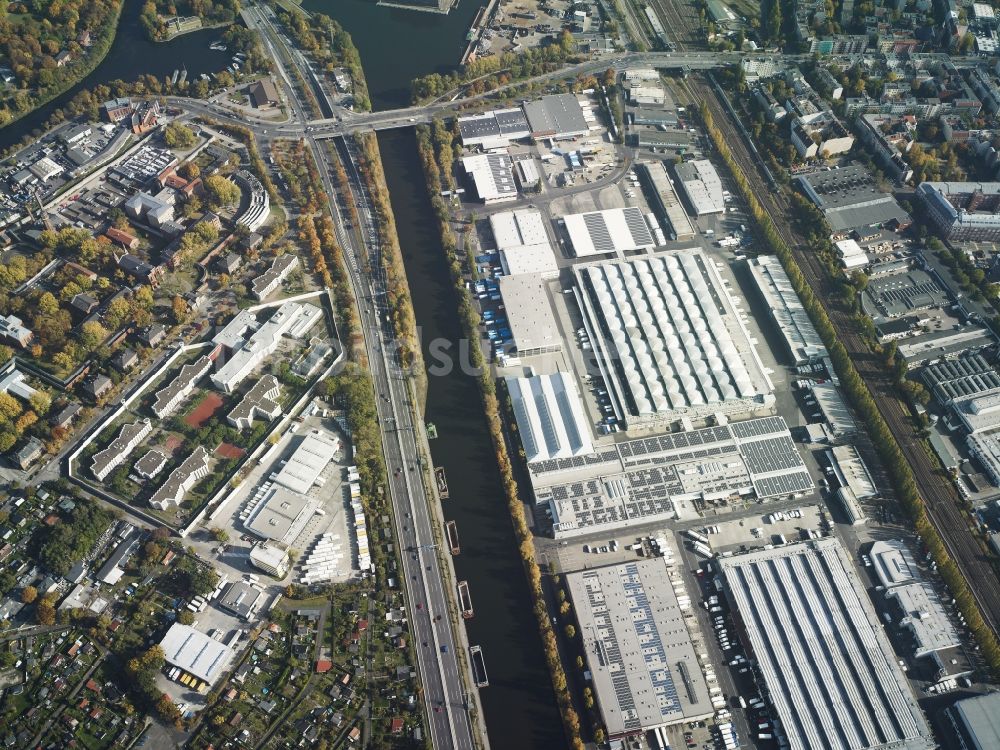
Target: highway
{"points": [[434, 641]]}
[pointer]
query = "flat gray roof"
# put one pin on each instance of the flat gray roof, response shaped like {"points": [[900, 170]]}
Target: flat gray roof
{"points": [[280, 515], [978, 720], [850, 199], [830, 672], [639, 652], [530, 317], [556, 115]]}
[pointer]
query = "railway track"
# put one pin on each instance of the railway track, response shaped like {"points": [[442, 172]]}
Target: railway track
{"points": [[680, 30], [941, 499]]}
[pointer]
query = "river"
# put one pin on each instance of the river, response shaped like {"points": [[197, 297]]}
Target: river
{"points": [[519, 704], [131, 56], [398, 45]]}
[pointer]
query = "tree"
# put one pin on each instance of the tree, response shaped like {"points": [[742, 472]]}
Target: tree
{"points": [[222, 191], [206, 232], [185, 617], [179, 308], [202, 580], [189, 170], [153, 551], [220, 535], [10, 408], [40, 402], [45, 612], [166, 709], [48, 304], [29, 594], [119, 312], [92, 335], [176, 135]]}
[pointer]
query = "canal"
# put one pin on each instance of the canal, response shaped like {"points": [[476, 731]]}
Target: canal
{"points": [[131, 55], [519, 704], [398, 45]]}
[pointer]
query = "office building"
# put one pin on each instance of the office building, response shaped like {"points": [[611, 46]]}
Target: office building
{"points": [[963, 211], [241, 599], [270, 558]]}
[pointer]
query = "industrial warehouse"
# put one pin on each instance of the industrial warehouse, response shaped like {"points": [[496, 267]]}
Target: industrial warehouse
{"points": [[669, 341], [549, 416], [669, 476], [830, 672], [616, 230], [523, 243], [639, 652]]}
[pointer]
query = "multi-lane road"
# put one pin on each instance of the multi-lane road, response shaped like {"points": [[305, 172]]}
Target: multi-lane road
{"points": [[435, 639]]}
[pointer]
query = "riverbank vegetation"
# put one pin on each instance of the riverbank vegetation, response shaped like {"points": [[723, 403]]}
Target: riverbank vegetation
{"points": [[330, 47], [156, 15], [397, 286], [49, 47], [864, 404], [430, 143], [489, 73]]}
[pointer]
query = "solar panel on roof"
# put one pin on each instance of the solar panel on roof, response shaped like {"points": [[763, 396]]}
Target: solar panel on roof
{"points": [[599, 234]]}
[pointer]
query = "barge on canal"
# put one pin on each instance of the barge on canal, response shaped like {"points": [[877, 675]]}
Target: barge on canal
{"points": [[465, 600], [479, 666], [453, 538], [442, 482]]}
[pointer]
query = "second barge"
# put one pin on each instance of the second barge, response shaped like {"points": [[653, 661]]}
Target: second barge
{"points": [[479, 666], [453, 538]]}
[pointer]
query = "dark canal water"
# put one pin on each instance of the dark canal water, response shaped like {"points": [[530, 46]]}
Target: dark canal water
{"points": [[520, 705], [398, 45], [131, 56]]}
